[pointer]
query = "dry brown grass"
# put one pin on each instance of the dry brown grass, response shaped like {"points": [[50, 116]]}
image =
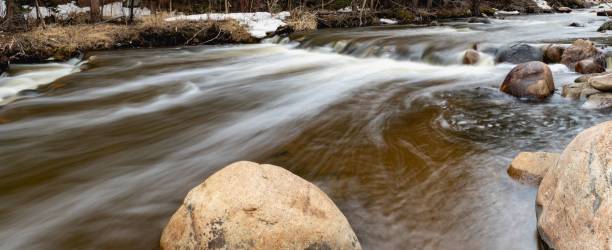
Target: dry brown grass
{"points": [[63, 42], [300, 20]]}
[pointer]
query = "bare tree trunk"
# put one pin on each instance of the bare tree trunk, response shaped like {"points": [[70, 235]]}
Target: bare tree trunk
{"points": [[39, 18], [429, 3], [10, 9], [94, 10], [131, 11], [415, 3], [169, 5], [226, 6], [476, 7]]}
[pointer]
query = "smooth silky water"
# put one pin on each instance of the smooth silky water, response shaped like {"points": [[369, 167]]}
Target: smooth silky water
{"points": [[411, 145]]}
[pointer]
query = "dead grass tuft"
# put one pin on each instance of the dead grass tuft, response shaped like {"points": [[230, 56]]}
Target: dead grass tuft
{"points": [[301, 20], [63, 42]]}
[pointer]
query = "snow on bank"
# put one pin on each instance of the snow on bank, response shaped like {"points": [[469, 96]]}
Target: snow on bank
{"points": [[62, 11], [542, 4], [258, 23], [388, 21], [2, 8]]}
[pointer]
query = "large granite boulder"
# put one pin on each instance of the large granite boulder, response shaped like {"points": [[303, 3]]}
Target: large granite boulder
{"points": [[255, 206], [574, 201], [531, 80]]}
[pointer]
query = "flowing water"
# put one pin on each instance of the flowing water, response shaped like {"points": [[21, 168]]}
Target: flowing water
{"points": [[411, 145]]}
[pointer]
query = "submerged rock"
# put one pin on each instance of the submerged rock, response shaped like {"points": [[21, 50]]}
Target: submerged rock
{"points": [[581, 50], [519, 53], [602, 82], [588, 66], [598, 101], [574, 201], [604, 13], [575, 24], [529, 167], [479, 20], [531, 79], [471, 57], [256, 206], [553, 53], [605, 26]]}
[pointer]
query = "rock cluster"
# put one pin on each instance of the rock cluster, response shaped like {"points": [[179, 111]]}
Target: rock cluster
{"points": [[596, 89], [583, 57], [255, 206]]}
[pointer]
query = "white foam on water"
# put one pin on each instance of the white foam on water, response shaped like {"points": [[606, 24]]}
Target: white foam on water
{"points": [[30, 76]]}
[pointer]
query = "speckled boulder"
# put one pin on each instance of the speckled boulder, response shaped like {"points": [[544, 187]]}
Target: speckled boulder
{"points": [[531, 80], [574, 201], [256, 206]]}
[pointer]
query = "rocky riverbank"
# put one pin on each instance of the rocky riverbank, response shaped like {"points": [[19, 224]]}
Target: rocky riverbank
{"points": [[574, 201]]}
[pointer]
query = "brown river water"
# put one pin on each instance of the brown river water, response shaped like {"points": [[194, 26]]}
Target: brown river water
{"points": [[412, 146]]}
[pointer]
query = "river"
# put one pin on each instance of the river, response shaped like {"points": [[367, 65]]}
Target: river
{"points": [[411, 145]]}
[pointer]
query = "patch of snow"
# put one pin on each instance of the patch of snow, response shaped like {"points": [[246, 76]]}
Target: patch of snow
{"points": [[2, 8], [507, 13], [388, 21], [258, 23], [112, 10], [542, 4], [346, 9]]}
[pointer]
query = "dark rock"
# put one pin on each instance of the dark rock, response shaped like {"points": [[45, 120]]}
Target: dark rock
{"points": [[531, 79], [553, 53], [4, 64], [588, 66], [479, 20], [519, 53], [574, 24], [605, 26], [604, 13]]}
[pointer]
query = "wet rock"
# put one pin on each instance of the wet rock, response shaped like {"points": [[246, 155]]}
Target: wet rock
{"points": [[578, 25], [605, 26], [602, 82], [581, 50], [519, 53], [479, 20], [604, 13], [531, 79], [588, 66], [4, 64], [553, 53], [529, 167], [574, 201], [573, 91], [585, 78], [256, 206], [564, 10], [471, 57], [598, 101]]}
